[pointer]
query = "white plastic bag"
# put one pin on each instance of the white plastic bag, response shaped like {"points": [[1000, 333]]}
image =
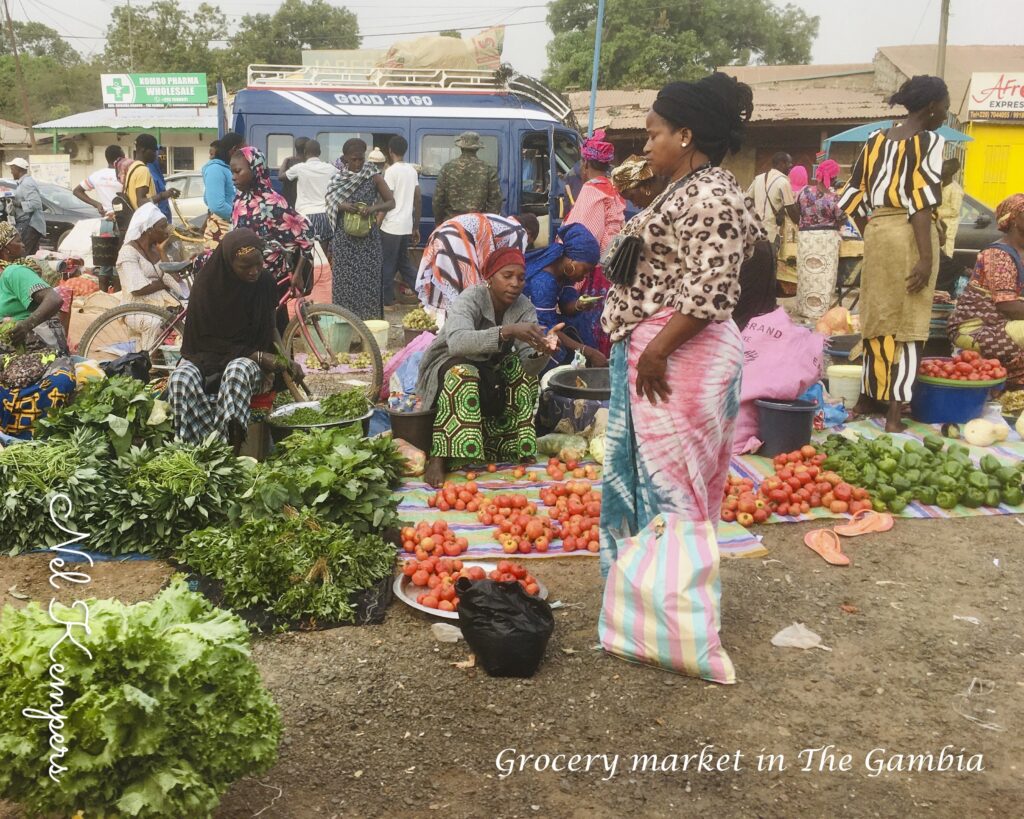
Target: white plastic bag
{"points": [[798, 636]]}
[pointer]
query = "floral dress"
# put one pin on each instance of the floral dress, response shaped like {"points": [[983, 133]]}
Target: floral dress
{"points": [[264, 211], [356, 263]]}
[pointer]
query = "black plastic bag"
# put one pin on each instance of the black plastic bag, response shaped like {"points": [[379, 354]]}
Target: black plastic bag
{"points": [[134, 365], [507, 629]]}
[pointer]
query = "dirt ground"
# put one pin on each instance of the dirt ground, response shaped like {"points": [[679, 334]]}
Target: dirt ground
{"points": [[380, 724]]}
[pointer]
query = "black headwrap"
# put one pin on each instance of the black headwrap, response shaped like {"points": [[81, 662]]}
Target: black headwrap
{"points": [[715, 108], [229, 318]]}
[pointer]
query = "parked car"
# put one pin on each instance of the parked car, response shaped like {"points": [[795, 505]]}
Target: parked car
{"points": [[190, 203], [977, 231], [61, 209]]}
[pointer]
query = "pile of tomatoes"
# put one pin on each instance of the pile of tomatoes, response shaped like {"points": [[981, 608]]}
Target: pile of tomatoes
{"points": [[519, 527], [558, 469], [465, 498], [578, 508], [799, 485], [436, 577], [435, 539], [965, 366]]}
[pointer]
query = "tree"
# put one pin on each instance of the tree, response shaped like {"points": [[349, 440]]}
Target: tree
{"points": [[38, 40], [647, 43], [54, 90], [280, 38], [163, 38]]}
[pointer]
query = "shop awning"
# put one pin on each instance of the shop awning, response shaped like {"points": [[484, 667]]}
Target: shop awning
{"points": [[862, 132]]}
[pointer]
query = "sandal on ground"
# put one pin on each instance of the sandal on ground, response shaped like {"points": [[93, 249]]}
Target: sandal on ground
{"points": [[826, 543], [865, 522]]}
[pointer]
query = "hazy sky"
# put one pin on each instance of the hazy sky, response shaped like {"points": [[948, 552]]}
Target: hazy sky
{"points": [[850, 31]]}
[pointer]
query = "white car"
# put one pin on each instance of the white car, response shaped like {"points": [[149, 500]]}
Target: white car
{"points": [[190, 203]]}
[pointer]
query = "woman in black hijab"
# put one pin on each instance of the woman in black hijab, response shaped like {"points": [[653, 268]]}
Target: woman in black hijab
{"points": [[228, 344]]}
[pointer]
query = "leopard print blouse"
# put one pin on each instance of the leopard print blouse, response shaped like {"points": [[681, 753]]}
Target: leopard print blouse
{"points": [[696, 235]]}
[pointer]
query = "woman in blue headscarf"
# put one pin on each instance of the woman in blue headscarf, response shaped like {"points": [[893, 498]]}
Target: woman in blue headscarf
{"points": [[551, 275]]}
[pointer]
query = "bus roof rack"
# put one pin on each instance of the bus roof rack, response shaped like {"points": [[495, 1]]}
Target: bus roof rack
{"points": [[370, 76]]}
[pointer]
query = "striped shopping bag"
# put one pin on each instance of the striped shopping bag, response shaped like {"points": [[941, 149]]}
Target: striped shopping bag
{"points": [[661, 600]]}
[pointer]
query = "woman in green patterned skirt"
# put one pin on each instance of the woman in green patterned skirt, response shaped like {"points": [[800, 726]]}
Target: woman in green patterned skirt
{"points": [[480, 374]]}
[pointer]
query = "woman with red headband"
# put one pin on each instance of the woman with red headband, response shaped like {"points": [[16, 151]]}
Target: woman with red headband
{"points": [[481, 371]]}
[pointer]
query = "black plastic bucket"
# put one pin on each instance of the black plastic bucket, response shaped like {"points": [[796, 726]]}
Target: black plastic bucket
{"points": [[417, 428], [784, 425]]}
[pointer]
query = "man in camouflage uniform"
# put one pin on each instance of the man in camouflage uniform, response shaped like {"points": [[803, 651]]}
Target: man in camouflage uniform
{"points": [[467, 184]]}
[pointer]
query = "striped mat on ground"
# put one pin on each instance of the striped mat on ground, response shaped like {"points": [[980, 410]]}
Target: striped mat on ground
{"points": [[732, 536], [482, 544]]}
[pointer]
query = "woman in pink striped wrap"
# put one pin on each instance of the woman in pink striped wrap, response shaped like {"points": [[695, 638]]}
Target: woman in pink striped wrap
{"points": [[677, 357]]}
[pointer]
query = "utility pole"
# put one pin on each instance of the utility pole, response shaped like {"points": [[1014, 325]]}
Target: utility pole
{"points": [[597, 63], [21, 78], [940, 66]]}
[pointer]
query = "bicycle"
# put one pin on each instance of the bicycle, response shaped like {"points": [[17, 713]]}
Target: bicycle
{"points": [[335, 348]]}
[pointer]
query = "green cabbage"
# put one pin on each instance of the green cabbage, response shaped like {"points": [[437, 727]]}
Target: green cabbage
{"points": [[168, 713]]}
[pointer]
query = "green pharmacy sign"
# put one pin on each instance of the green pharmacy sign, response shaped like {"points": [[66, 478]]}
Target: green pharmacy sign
{"points": [[153, 90]]}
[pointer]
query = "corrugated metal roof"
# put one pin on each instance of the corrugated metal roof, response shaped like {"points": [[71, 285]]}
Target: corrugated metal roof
{"points": [[961, 62], [627, 110], [765, 74], [115, 119]]}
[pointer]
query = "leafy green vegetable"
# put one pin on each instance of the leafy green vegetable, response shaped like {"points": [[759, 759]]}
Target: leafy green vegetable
{"points": [[341, 406], [298, 569], [32, 473], [138, 503], [167, 713], [161, 494], [344, 477], [123, 408]]}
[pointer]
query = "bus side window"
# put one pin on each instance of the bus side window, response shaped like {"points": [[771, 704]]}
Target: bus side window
{"points": [[437, 150], [279, 148], [535, 172]]}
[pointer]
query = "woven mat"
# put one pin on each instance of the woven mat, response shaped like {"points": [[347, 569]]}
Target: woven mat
{"points": [[733, 536]]}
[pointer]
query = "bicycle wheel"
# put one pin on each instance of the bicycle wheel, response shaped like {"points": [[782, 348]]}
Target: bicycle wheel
{"points": [[133, 328], [336, 351]]}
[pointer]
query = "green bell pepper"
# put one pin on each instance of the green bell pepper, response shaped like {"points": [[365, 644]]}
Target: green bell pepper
{"points": [[897, 505], [925, 495], [913, 475], [990, 464], [992, 498], [977, 480], [879, 505], [973, 498], [900, 483], [912, 461], [933, 443], [869, 476], [888, 465], [953, 469], [1013, 495], [1007, 475], [886, 492], [947, 483], [913, 446], [946, 500]]}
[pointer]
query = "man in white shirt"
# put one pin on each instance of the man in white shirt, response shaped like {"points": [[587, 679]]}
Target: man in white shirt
{"points": [[773, 196], [103, 184], [312, 178], [401, 226], [952, 202]]}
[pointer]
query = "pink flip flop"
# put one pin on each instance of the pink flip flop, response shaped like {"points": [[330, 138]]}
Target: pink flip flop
{"points": [[826, 543], [866, 521]]}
